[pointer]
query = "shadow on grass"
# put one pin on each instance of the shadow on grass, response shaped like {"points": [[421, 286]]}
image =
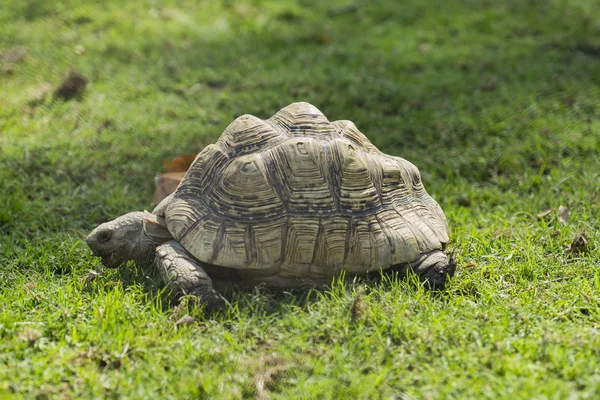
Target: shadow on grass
{"points": [[460, 90], [434, 82], [463, 92], [262, 301]]}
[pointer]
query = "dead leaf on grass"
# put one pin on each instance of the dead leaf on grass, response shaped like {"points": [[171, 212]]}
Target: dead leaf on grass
{"points": [[463, 200], [180, 163], [185, 320], [358, 308], [30, 335], [71, 87], [270, 366], [38, 95], [545, 214], [91, 276], [14, 55], [86, 356], [563, 215], [580, 244], [178, 311], [505, 233], [9, 68]]}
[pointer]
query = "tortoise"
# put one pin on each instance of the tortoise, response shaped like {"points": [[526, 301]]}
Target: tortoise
{"points": [[287, 202]]}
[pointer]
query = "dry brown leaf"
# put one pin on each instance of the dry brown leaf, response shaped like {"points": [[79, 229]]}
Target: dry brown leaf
{"points": [[180, 163], [14, 55], [38, 95], [563, 215], [165, 185], [580, 244], [178, 311], [545, 213], [9, 68], [505, 233], [463, 200], [358, 307], [185, 320], [72, 87], [30, 335], [270, 367], [91, 276]]}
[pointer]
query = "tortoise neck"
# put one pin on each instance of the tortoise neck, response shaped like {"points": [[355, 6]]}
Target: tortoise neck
{"points": [[154, 233]]}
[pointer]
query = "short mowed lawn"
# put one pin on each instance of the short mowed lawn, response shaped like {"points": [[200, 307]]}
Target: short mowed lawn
{"points": [[496, 102]]}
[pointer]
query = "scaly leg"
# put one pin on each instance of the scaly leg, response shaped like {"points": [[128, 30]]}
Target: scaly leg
{"points": [[185, 275]]}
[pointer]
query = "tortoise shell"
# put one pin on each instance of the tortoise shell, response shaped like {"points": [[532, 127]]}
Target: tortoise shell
{"points": [[300, 196]]}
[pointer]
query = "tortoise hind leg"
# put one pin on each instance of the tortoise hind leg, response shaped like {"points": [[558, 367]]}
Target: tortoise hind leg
{"points": [[185, 275]]}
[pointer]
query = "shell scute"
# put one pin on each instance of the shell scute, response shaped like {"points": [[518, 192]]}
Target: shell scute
{"points": [[243, 190], [297, 196], [303, 119], [301, 173], [247, 134]]}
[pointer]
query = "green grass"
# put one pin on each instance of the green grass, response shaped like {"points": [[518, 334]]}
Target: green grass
{"points": [[495, 101]]}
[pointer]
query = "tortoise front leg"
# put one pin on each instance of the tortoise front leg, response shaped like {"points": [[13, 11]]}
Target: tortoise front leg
{"points": [[184, 275]]}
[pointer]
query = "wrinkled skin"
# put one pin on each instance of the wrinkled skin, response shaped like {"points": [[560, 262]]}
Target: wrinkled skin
{"points": [[132, 236]]}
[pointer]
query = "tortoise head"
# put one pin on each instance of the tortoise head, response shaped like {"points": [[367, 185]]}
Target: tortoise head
{"points": [[132, 236]]}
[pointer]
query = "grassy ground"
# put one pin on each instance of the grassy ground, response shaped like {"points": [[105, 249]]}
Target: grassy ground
{"points": [[495, 101]]}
